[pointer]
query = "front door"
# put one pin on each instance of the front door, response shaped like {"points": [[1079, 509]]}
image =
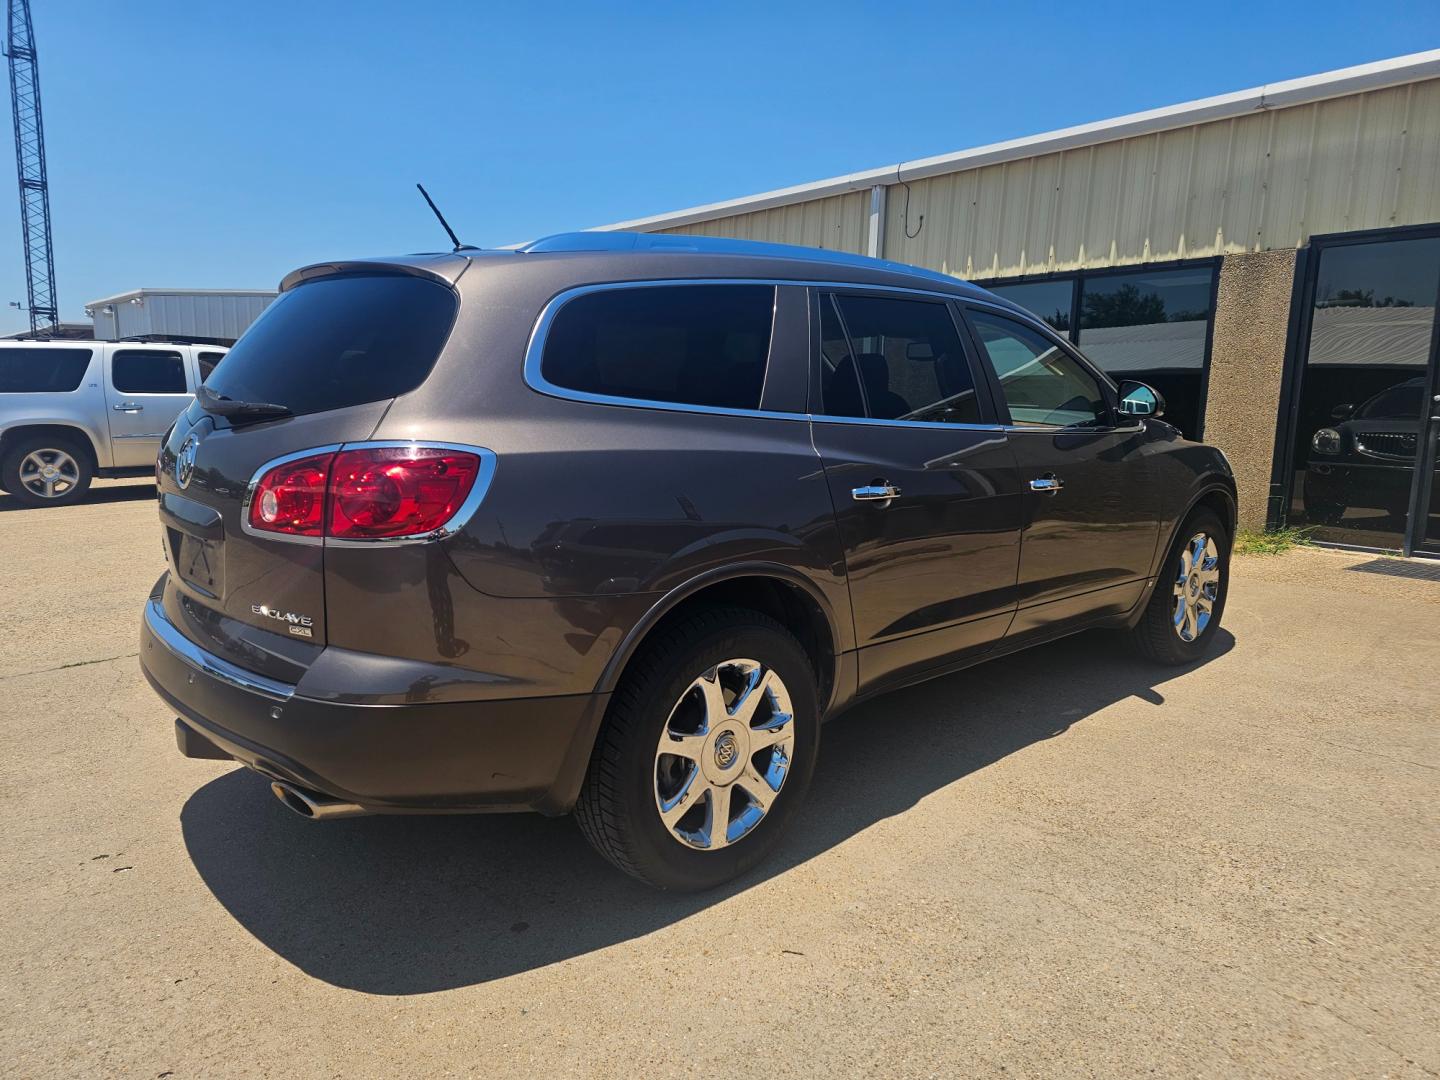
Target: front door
{"points": [[145, 388], [1367, 416], [922, 479], [1091, 521]]}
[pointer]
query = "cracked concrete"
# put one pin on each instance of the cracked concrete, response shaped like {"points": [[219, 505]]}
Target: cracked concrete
{"points": [[1064, 863]]}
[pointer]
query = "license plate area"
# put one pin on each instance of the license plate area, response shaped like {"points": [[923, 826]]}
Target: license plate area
{"points": [[199, 562]]}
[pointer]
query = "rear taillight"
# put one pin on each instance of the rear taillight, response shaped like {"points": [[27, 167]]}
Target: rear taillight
{"points": [[290, 498], [365, 493], [386, 492]]}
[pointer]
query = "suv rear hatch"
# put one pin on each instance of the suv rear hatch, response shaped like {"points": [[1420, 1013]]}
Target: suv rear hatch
{"points": [[318, 369]]}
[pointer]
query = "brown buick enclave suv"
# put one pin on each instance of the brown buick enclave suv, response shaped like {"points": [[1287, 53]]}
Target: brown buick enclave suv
{"points": [[612, 522]]}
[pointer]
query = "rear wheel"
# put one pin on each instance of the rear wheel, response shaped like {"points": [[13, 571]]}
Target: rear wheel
{"points": [[1184, 611], [707, 751], [46, 471]]}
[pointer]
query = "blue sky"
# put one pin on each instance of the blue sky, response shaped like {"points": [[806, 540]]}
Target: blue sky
{"points": [[219, 145]]}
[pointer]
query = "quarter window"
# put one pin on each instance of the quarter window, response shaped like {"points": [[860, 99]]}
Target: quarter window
{"points": [[1040, 382], [147, 371], [703, 345], [894, 359], [42, 371]]}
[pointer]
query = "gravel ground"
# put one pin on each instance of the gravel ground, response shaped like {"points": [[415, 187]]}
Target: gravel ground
{"points": [[1062, 863]]}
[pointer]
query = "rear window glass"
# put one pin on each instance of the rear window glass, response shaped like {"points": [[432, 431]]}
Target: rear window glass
{"points": [[684, 344], [42, 371], [145, 371], [340, 341]]}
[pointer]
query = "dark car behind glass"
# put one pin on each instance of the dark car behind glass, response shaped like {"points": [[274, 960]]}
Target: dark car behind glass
{"points": [[611, 522]]}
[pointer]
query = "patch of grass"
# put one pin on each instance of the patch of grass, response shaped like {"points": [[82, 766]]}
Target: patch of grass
{"points": [[1253, 542]]}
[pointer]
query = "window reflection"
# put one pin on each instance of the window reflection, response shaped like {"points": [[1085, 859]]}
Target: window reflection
{"points": [[1152, 327], [1363, 390]]}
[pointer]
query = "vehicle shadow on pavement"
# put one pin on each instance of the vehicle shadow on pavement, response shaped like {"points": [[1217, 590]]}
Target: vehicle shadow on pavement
{"points": [[120, 493], [410, 905]]}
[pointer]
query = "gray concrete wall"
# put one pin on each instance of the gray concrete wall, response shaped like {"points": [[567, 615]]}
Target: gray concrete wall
{"points": [[1247, 356]]}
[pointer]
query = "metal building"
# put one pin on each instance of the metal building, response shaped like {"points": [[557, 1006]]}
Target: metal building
{"points": [[1269, 259], [213, 316]]}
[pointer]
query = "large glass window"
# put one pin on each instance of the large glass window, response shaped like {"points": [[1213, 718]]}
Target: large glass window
{"points": [[26, 370], [1362, 391], [1150, 325], [905, 356], [1042, 385], [1050, 300], [686, 344]]}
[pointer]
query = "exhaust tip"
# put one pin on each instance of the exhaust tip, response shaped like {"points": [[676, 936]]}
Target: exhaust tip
{"points": [[292, 800], [313, 805]]}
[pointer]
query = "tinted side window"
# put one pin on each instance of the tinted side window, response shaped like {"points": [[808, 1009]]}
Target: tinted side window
{"points": [[909, 360], [146, 371], [701, 345], [1040, 382], [42, 371], [207, 362]]}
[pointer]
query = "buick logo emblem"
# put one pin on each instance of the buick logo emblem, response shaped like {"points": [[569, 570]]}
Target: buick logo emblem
{"points": [[185, 461], [726, 751]]}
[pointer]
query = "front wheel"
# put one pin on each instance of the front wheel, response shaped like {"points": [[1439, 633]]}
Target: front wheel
{"points": [[1184, 611], [707, 751]]}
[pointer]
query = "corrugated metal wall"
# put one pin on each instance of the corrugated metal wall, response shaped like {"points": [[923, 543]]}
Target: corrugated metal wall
{"points": [[215, 315], [836, 224], [1260, 182]]}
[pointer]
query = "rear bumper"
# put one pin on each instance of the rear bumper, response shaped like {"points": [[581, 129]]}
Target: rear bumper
{"points": [[431, 757]]}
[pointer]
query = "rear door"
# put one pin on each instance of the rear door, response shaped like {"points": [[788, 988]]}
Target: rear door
{"points": [[336, 351], [922, 479], [1090, 520], [146, 387]]}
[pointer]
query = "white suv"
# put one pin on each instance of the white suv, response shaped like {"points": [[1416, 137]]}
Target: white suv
{"points": [[74, 410]]}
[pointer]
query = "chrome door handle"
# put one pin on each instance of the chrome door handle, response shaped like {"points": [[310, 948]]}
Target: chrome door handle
{"points": [[129, 407], [875, 493], [1049, 484]]}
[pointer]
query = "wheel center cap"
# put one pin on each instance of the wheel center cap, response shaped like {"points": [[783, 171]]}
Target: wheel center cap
{"points": [[49, 472], [726, 750]]}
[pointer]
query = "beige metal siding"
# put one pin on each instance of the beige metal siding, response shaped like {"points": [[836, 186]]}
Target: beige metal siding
{"points": [[1263, 181], [837, 224]]}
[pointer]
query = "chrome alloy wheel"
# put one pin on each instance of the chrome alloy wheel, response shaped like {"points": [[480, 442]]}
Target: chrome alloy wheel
{"points": [[49, 474], [724, 754], [1197, 586]]}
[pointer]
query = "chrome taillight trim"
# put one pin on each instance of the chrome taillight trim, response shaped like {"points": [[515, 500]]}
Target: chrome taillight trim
{"points": [[453, 525]]}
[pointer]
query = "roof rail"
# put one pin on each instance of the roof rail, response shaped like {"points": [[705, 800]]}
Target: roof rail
{"points": [[718, 245]]}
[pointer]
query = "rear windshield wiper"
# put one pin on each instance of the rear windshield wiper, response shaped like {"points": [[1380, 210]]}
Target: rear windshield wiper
{"points": [[221, 405]]}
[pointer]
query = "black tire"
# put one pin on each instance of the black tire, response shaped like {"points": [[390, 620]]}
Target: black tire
{"points": [[78, 484], [617, 809], [1155, 635]]}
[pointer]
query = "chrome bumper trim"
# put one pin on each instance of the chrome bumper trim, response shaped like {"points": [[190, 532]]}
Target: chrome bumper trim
{"points": [[182, 647]]}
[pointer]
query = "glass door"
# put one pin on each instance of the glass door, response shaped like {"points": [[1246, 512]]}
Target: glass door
{"points": [[1363, 418]]}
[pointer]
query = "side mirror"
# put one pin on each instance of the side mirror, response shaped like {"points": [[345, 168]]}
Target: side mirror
{"points": [[1138, 399], [1342, 412]]}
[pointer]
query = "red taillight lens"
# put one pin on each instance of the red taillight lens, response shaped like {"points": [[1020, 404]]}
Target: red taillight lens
{"points": [[290, 498], [386, 492]]}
